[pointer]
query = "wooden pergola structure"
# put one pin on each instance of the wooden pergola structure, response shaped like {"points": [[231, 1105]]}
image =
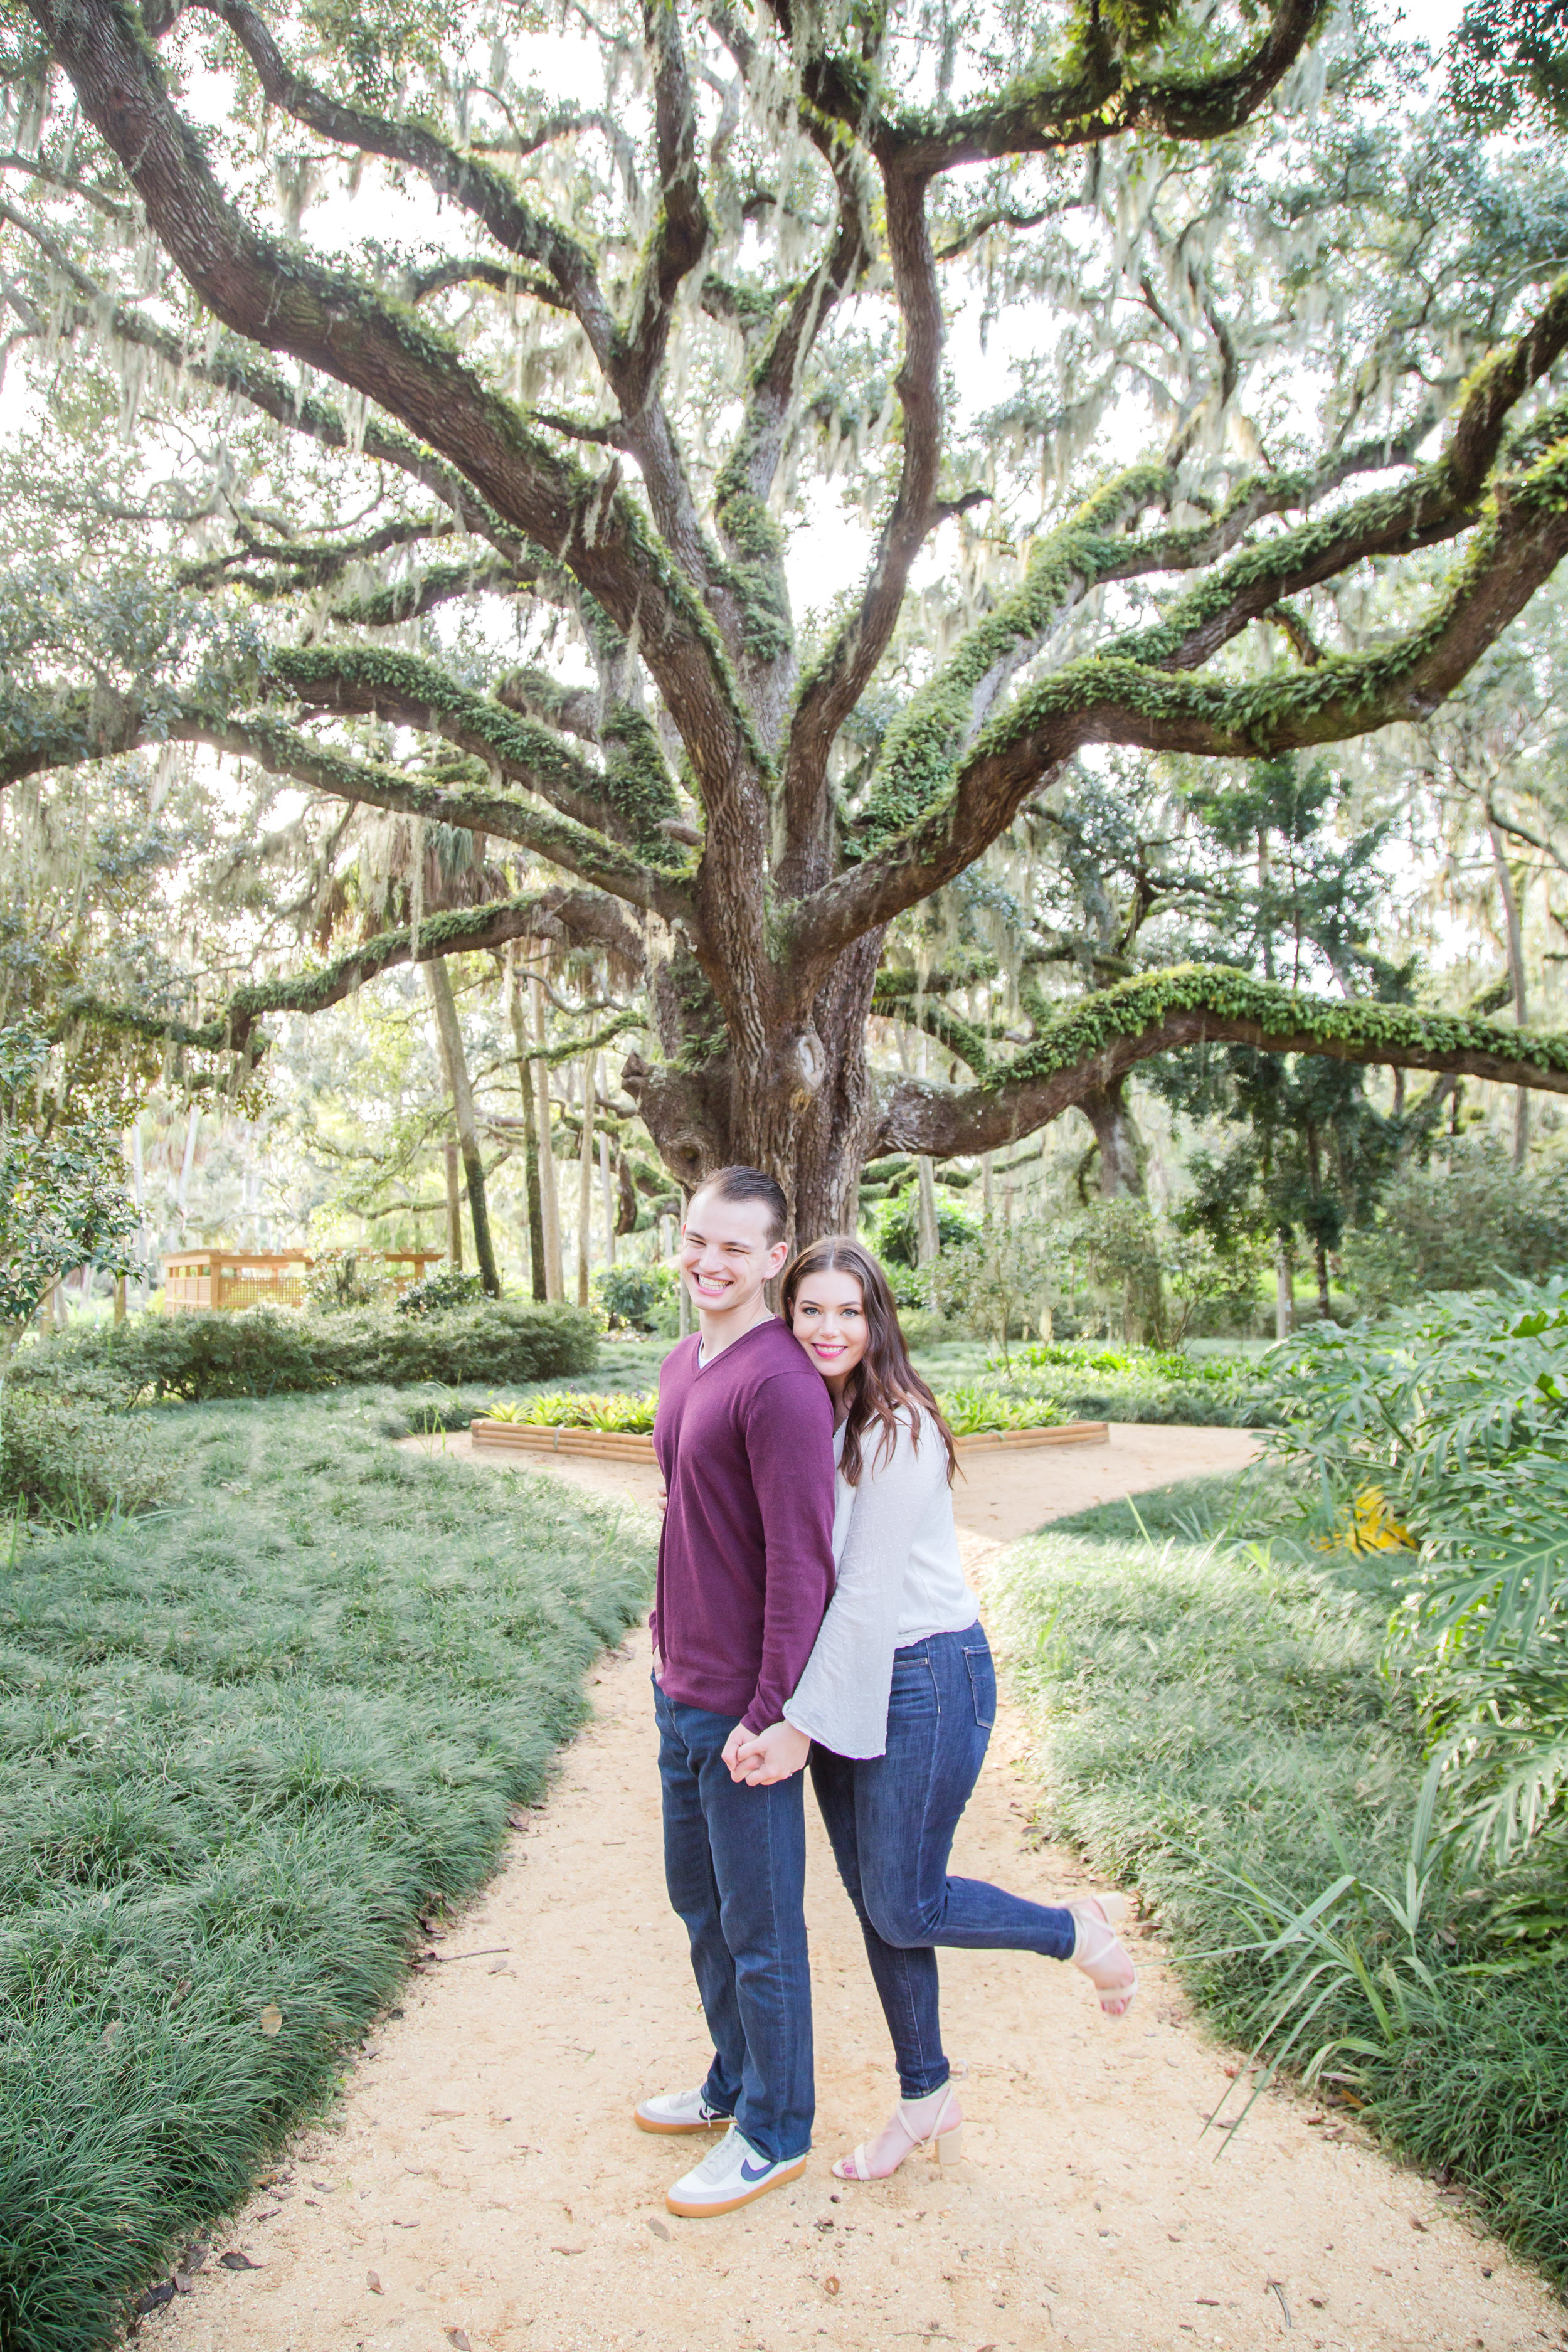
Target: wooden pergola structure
{"points": [[213, 1280]]}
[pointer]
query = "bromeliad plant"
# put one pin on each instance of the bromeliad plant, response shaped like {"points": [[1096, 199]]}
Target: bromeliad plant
{"points": [[619, 1413], [970, 1411]]}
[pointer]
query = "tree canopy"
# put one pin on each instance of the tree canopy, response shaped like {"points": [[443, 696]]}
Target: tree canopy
{"points": [[445, 449]]}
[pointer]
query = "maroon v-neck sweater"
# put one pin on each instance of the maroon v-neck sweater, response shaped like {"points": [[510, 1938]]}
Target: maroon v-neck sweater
{"points": [[745, 1561]]}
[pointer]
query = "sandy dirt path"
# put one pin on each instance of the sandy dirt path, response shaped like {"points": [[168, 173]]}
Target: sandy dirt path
{"points": [[482, 2185]]}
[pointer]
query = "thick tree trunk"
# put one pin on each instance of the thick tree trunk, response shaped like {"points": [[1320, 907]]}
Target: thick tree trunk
{"points": [[448, 1029], [1120, 1149], [607, 1197], [799, 1103], [1121, 1145]]}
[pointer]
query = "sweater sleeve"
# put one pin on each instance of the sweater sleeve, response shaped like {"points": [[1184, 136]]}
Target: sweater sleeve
{"points": [[789, 1445], [841, 1699]]}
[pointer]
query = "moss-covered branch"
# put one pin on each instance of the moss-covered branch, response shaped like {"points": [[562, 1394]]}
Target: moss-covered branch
{"points": [[279, 297], [1105, 1035], [43, 730], [583, 917], [1522, 536], [1041, 113], [628, 799]]}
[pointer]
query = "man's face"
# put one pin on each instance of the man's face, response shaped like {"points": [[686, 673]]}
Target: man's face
{"points": [[725, 1253]]}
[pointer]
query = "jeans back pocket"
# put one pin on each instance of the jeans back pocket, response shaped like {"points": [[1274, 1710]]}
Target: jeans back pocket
{"points": [[982, 1685]]}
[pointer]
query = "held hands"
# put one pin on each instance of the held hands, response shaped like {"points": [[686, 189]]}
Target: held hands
{"points": [[758, 1758]]}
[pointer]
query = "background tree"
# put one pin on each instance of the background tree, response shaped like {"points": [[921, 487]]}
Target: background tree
{"points": [[591, 424]]}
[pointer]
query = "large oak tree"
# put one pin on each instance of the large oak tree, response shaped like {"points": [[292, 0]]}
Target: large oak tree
{"points": [[585, 389]]}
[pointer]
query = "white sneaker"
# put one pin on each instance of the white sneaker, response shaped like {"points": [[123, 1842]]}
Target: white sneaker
{"points": [[732, 2174], [679, 2111]]}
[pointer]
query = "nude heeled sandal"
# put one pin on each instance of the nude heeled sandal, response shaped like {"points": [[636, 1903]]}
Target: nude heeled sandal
{"points": [[947, 2138], [1097, 1951]]}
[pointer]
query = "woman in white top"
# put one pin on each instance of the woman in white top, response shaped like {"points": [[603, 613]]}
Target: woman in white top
{"points": [[897, 1701]]}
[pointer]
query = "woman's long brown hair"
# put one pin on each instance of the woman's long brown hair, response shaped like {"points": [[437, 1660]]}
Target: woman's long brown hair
{"points": [[884, 1379]]}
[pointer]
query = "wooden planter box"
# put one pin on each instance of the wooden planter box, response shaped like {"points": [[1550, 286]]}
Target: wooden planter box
{"points": [[618, 1445]]}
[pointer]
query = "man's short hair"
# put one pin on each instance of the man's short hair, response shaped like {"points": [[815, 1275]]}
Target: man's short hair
{"points": [[750, 1184]]}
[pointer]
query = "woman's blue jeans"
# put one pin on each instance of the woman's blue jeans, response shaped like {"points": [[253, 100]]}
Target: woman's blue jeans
{"points": [[890, 1820]]}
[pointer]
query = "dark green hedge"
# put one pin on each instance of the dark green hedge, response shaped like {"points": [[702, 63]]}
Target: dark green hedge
{"points": [[265, 1351]]}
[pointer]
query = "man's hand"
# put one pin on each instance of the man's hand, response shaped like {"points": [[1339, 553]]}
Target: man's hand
{"points": [[758, 1758]]}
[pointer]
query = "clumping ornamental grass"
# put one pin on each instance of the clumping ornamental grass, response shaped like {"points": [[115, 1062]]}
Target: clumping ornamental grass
{"points": [[243, 1742], [1221, 1729]]}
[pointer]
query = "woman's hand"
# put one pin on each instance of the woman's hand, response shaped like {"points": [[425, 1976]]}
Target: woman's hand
{"points": [[758, 1758]]}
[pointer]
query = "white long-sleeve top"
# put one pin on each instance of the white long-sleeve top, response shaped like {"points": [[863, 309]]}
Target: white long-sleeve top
{"points": [[899, 1579]]}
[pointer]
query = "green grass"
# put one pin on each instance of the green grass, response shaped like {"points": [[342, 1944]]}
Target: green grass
{"points": [[243, 1743], [1209, 1720]]}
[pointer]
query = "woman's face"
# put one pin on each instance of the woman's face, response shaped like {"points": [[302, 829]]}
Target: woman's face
{"points": [[829, 1321]]}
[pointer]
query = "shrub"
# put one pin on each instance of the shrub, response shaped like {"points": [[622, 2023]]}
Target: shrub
{"points": [[1221, 1726], [634, 1296], [446, 1288], [997, 1279], [76, 1463], [268, 1351], [347, 1277], [895, 1228], [1454, 1226], [971, 1410]]}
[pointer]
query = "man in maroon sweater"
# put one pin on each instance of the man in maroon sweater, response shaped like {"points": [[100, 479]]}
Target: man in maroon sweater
{"points": [[744, 1438]]}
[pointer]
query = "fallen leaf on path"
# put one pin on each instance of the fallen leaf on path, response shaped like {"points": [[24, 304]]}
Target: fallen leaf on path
{"points": [[1211, 2300], [658, 2230], [373, 2283], [449, 2112], [195, 2255], [238, 2262], [1415, 2222], [455, 2335], [183, 2282], [154, 2298], [568, 2250], [830, 2287], [272, 2019]]}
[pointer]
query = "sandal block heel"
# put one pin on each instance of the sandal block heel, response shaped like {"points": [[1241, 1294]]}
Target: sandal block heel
{"points": [[949, 2145]]}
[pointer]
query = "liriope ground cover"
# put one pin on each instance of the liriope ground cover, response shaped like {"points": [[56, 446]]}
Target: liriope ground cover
{"points": [[1227, 1723], [243, 1742]]}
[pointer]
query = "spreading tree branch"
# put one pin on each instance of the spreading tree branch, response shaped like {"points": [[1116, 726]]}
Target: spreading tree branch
{"points": [[1107, 1034], [582, 918]]}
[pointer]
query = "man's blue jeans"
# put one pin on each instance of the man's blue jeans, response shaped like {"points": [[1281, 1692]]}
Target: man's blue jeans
{"points": [[734, 1862], [890, 1820]]}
